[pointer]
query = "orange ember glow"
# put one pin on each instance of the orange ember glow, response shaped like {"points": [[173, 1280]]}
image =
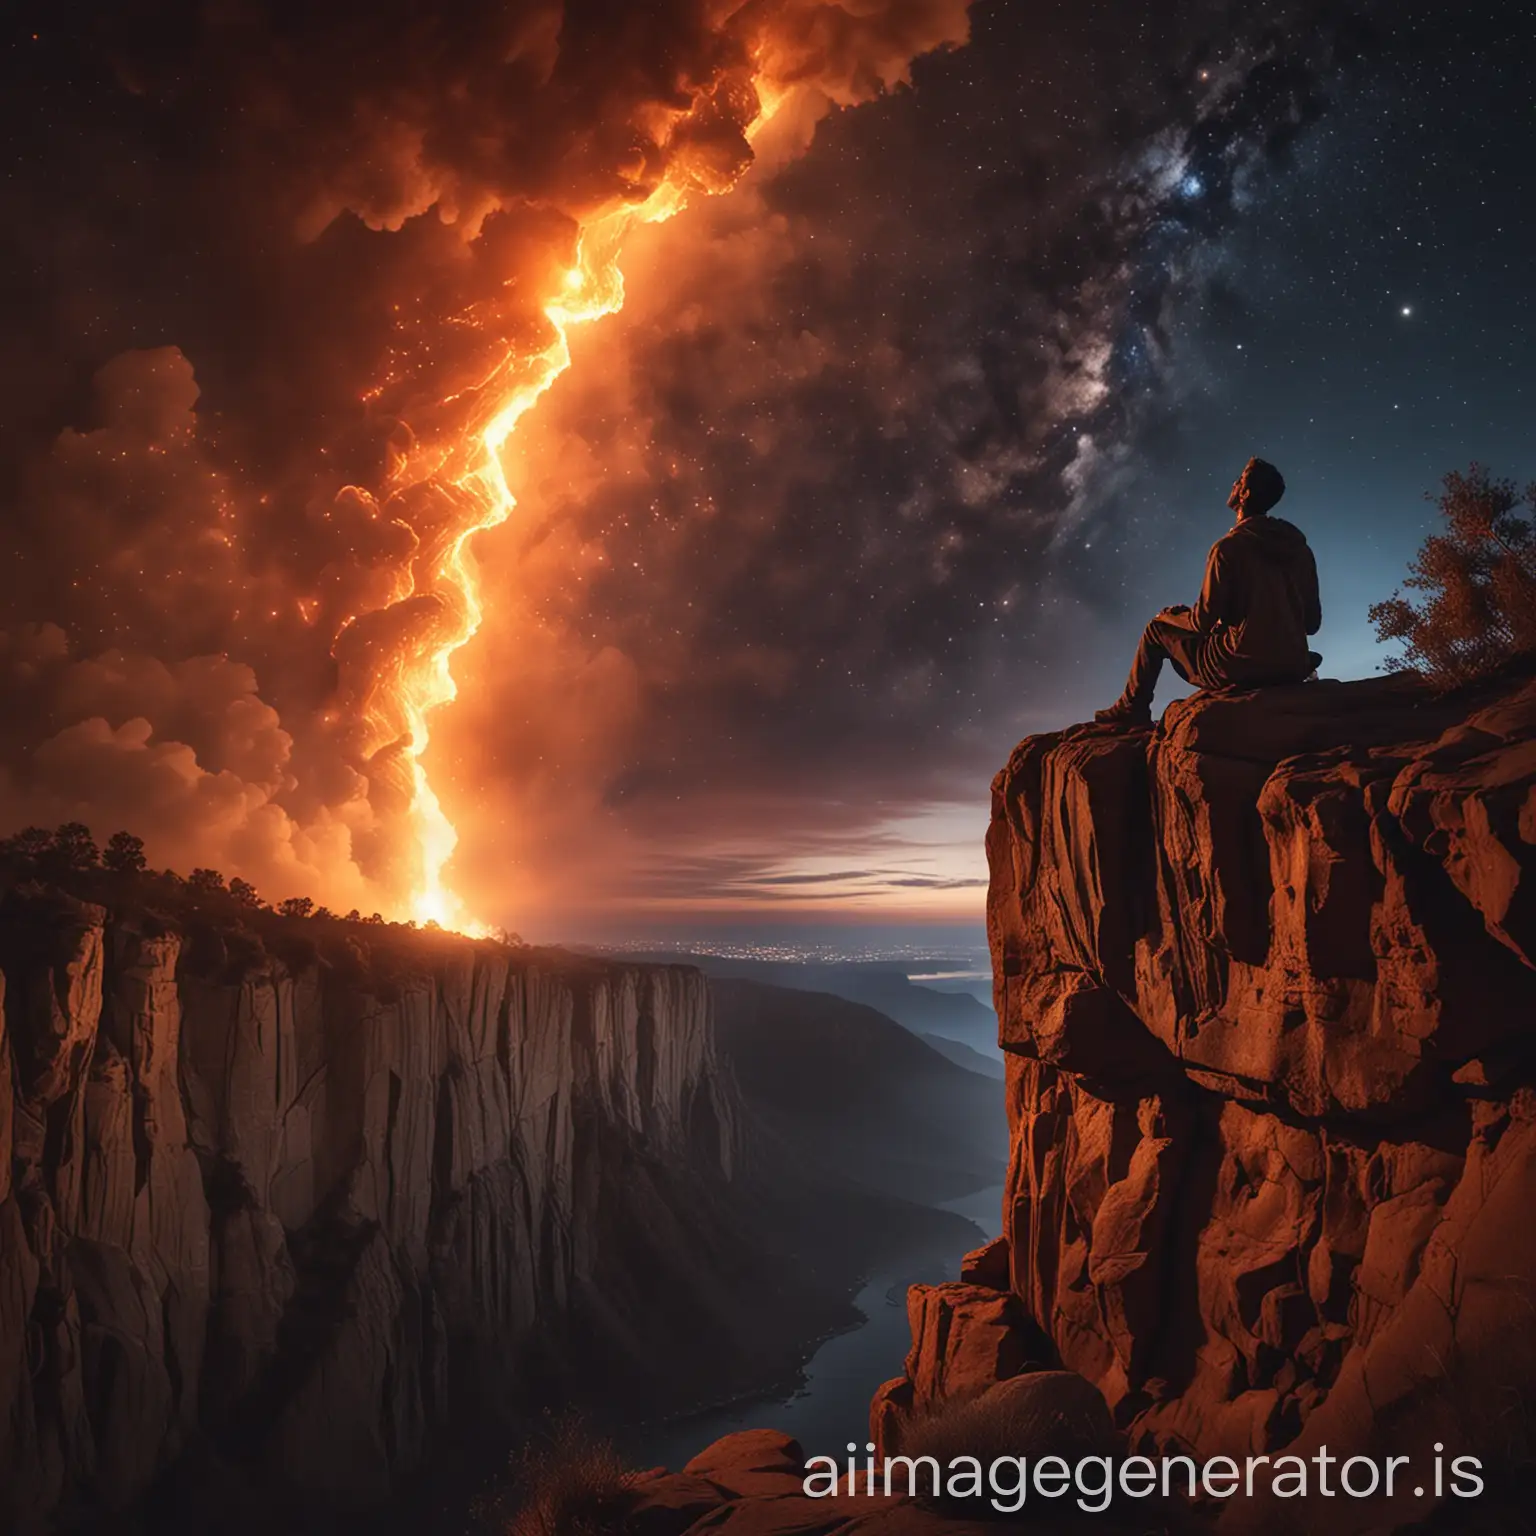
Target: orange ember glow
{"points": [[470, 473]]}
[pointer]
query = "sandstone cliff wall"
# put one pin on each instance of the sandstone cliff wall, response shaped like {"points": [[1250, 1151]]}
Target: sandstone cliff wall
{"points": [[1265, 980], [298, 1211]]}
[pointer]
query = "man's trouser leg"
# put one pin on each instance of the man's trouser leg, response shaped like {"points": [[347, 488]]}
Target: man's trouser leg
{"points": [[1151, 653]]}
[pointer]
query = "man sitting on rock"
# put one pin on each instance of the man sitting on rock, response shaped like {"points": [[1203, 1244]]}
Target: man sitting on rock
{"points": [[1257, 607]]}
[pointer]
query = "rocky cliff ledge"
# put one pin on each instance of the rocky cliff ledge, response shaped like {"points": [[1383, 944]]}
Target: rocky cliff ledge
{"points": [[300, 1209], [1265, 980]]}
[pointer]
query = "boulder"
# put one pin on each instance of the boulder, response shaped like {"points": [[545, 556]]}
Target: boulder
{"points": [[987, 1266], [964, 1338], [752, 1463], [670, 1504]]}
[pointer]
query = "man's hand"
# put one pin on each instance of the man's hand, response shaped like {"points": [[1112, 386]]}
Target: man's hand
{"points": [[1174, 611]]}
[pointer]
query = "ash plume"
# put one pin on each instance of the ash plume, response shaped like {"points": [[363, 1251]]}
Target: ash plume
{"points": [[303, 251]]}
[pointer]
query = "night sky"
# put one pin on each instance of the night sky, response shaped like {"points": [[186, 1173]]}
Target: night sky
{"points": [[891, 452]]}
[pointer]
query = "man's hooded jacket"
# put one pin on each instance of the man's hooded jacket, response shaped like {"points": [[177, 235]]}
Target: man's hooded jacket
{"points": [[1257, 606]]}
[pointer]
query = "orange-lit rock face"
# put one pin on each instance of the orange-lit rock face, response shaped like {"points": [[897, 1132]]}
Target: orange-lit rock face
{"points": [[1294, 896], [1263, 979]]}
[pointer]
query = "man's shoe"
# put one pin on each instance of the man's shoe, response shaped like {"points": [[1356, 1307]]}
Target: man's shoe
{"points": [[1130, 712]]}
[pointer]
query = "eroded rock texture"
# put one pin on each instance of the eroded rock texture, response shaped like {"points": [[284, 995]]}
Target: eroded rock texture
{"points": [[303, 1211], [1265, 978]]}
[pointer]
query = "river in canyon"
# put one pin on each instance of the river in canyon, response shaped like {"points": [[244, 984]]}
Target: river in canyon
{"points": [[831, 1405]]}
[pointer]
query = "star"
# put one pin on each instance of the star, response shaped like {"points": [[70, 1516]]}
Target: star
{"points": [[1407, 310]]}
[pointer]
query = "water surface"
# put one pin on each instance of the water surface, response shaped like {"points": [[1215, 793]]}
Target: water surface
{"points": [[831, 1407]]}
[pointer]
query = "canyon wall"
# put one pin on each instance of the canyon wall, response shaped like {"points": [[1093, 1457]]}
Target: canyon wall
{"points": [[1265, 980], [303, 1210]]}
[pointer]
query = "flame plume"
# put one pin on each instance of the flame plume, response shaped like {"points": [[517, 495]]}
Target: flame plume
{"points": [[471, 476], [452, 484]]}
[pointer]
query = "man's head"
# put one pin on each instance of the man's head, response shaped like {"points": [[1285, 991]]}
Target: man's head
{"points": [[1256, 490]]}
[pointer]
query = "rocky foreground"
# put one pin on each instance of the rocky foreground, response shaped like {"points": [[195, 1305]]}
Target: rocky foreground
{"points": [[1265, 978], [1265, 982]]}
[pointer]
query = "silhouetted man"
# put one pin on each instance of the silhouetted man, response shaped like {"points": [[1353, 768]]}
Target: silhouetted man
{"points": [[1257, 607]]}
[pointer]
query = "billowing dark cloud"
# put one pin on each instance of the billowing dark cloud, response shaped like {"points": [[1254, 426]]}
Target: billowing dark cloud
{"points": [[187, 753], [268, 270]]}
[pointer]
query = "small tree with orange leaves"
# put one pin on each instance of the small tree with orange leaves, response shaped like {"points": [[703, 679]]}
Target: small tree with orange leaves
{"points": [[1476, 580]]}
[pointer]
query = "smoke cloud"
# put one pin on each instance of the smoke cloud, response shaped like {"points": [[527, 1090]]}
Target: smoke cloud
{"points": [[269, 264]]}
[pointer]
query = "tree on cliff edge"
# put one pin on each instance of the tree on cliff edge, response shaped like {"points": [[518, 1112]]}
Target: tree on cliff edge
{"points": [[124, 854], [74, 848], [27, 846], [1478, 580]]}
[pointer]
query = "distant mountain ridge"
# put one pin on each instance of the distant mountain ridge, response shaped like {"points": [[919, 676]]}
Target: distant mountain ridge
{"points": [[856, 1094], [879, 984], [966, 1056]]}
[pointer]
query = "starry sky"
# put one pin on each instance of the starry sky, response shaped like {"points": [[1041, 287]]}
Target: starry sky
{"points": [[1369, 318], [891, 452]]}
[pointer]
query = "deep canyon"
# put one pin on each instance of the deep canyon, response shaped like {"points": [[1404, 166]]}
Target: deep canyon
{"points": [[294, 1211]]}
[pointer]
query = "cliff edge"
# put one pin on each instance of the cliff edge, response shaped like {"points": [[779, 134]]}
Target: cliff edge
{"points": [[300, 1206], [1264, 977]]}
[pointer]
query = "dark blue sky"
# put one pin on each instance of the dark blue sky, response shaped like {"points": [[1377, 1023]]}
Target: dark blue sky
{"points": [[1416, 192]]}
